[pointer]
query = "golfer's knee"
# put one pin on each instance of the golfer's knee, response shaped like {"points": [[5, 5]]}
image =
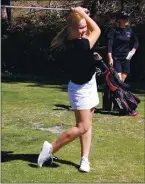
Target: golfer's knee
{"points": [[83, 128]]}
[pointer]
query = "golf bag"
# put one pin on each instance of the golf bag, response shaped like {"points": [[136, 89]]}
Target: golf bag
{"points": [[116, 93], [126, 101]]}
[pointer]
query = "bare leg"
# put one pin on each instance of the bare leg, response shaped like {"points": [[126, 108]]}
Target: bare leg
{"points": [[82, 127], [85, 141], [86, 138], [123, 76]]}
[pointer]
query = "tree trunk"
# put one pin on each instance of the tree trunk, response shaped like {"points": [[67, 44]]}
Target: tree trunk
{"points": [[6, 12], [122, 5]]}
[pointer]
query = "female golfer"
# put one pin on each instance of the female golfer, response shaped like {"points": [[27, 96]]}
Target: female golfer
{"points": [[82, 34], [122, 45]]}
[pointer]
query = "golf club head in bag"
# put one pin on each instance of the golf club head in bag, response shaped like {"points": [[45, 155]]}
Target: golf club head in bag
{"points": [[111, 76]]}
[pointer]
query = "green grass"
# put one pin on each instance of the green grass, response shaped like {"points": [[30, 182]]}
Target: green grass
{"points": [[117, 153]]}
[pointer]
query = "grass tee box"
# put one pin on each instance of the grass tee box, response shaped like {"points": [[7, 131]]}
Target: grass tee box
{"points": [[30, 111]]}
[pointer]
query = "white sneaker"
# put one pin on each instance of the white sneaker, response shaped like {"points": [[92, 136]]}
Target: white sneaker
{"points": [[84, 165], [45, 153]]}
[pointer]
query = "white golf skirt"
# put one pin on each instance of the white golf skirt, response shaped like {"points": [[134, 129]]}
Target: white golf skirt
{"points": [[84, 96]]}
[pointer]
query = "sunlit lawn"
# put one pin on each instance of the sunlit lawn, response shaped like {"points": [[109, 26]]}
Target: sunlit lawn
{"points": [[117, 153]]}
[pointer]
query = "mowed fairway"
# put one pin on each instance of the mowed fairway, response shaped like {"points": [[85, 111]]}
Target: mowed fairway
{"points": [[29, 109]]}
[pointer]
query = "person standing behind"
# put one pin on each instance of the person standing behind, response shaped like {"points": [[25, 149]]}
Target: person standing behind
{"points": [[122, 45], [78, 38]]}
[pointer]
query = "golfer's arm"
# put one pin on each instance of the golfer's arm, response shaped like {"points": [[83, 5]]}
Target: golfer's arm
{"points": [[109, 55], [94, 29]]}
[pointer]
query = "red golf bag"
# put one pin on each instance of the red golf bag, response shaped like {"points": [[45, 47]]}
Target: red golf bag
{"points": [[116, 92]]}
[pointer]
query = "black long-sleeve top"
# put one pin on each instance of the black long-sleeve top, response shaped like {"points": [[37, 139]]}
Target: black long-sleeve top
{"points": [[121, 41]]}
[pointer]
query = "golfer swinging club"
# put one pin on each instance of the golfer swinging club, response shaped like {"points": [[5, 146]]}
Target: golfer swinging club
{"points": [[78, 38]]}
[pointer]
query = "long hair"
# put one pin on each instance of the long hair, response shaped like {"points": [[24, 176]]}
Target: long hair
{"points": [[59, 42]]}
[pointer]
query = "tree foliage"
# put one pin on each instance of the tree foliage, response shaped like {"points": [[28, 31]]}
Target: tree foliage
{"points": [[25, 46]]}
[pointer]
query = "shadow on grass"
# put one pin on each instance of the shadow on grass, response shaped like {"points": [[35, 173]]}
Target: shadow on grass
{"points": [[7, 156], [113, 113], [41, 81], [37, 81], [99, 111], [62, 107]]}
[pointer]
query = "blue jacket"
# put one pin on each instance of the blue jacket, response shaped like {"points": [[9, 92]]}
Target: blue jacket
{"points": [[121, 41]]}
